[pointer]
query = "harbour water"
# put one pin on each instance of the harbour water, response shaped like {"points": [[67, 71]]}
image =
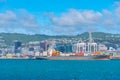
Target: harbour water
{"points": [[59, 70]]}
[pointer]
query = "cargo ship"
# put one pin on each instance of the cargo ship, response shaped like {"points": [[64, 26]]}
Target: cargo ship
{"points": [[83, 51], [100, 57], [77, 56]]}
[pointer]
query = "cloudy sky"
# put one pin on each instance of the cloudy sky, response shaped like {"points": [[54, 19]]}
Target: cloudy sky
{"points": [[59, 17]]}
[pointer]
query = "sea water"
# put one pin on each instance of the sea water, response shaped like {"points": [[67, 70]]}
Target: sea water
{"points": [[59, 70]]}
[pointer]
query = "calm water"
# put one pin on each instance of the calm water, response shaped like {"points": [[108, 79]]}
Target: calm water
{"points": [[59, 70]]}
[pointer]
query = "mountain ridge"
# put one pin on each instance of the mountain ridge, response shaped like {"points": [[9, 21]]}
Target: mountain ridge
{"points": [[10, 37]]}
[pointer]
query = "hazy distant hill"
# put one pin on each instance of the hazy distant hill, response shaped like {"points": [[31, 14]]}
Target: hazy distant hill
{"points": [[97, 36]]}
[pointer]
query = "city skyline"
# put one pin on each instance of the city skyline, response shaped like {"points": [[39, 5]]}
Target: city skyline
{"points": [[59, 17]]}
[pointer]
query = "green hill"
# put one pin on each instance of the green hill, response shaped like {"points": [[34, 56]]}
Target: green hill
{"points": [[97, 36]]}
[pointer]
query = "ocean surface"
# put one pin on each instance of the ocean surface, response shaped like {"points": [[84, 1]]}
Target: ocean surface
{"points": [[59, 70]]}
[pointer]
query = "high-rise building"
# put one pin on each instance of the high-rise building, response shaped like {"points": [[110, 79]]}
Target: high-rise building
{"points": [[44, 46], [31, 48], [65, 48], [17, 46]]}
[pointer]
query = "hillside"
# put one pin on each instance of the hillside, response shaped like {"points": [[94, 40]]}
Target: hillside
{"points": [[97, 36]]}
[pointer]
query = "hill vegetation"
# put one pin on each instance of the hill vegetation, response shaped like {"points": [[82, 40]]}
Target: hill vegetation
{"points": [[97, 36]]}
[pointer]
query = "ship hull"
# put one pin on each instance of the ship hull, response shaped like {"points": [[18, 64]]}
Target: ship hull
{"points": [[101, 57]]}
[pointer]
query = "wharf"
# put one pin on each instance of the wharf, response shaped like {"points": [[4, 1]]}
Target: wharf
{"points": [[115, 57]]}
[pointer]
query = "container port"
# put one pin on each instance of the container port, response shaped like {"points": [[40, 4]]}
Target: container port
{"points": [[59, 49]]}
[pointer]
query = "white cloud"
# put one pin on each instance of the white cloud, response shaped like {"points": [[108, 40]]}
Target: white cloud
{"points": [[7, 19], [26, 19], [21, 20], [117, 12], [77, 21], [71, 22], [117, 4], [75, 18], [10, 19]]}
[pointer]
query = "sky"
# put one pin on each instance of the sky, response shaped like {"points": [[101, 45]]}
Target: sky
{"points": [[59, 17]]}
